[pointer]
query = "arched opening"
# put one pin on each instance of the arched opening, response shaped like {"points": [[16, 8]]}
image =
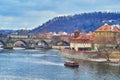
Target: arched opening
{"points": [[42, 44], [62, 43], [20, 44], [2, 44]]}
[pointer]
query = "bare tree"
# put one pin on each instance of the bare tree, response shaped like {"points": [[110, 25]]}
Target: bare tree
{"points": [[105, 51], [117, 47], [104, 48]]}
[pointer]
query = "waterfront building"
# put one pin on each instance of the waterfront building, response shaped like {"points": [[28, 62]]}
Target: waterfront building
{"points": [[82, 41], [105, 34]]}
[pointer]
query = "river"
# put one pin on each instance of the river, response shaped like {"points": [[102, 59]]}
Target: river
{"points": [[22, 64]]}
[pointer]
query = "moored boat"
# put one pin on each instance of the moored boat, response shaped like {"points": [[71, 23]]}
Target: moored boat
{"points": [[71, 64]]}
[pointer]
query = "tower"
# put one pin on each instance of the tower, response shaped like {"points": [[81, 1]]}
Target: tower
{"points": [[76, 33]]}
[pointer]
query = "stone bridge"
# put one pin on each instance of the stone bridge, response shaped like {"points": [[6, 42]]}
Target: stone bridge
{"points": [[31, 43]]}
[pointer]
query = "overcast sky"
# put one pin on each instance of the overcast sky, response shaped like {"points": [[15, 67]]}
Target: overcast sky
{"points": [[28, 14]]}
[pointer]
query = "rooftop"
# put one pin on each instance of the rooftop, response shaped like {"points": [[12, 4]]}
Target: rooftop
{"points": [[107, 28]]}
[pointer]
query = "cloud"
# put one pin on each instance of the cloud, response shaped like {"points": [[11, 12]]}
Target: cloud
{"points": [[29, 20], [16, 14]]}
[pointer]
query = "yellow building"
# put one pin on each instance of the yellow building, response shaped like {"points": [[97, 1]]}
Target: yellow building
{"points": [[89, 41], [106, 33]]}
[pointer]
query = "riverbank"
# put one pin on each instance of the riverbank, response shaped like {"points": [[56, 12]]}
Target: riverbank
{"points": [[112, 60], [80, 57]]}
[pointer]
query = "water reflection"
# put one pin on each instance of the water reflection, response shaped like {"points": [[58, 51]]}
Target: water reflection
{"points": [[47, 65]]}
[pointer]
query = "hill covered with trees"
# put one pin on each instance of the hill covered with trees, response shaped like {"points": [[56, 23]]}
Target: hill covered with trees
{"points": [[85, 21]]}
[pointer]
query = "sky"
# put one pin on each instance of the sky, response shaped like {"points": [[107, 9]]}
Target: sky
{"points": [[29, 14]]}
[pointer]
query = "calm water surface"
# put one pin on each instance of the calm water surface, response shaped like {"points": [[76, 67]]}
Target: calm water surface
{"points": [[20, 64]]}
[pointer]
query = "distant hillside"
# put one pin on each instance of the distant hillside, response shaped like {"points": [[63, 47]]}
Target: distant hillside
{"points": [[7, 31], [86, 21], [14, 31]]}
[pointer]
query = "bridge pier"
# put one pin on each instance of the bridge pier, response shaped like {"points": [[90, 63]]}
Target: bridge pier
{"points": [[8, 46], [30, 46]]}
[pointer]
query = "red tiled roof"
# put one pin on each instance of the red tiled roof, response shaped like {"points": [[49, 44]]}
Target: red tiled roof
{"points": [[84, 38], [116, 29], [107, 28]]}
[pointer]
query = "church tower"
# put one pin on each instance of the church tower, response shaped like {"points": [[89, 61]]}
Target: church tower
{"points": [[76, 33]]}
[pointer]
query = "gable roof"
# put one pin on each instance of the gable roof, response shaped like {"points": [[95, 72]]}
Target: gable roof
{"points": [[84, 38], [107, 28]]}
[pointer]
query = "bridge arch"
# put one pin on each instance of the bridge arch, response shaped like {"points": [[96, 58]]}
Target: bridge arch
{"points": [[42, 44], [20, 43], [61, 43]]}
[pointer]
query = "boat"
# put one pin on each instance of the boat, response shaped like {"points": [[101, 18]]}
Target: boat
{"points": [[71, 64]]}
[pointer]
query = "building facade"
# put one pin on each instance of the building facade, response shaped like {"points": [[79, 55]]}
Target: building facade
{"points": [[82, 42], [105, 34]]}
